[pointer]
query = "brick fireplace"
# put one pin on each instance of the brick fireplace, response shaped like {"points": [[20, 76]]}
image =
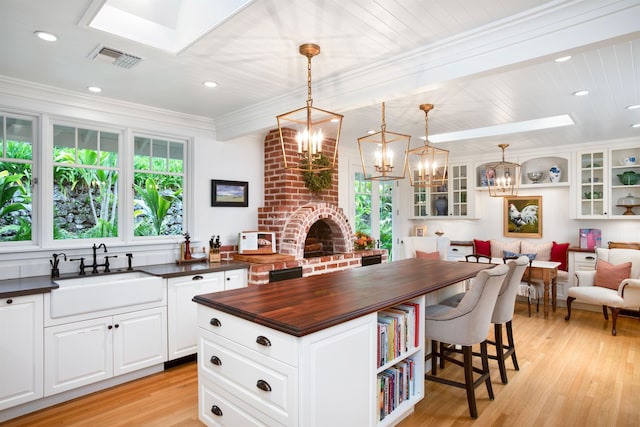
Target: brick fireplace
{"points": [[290, 210]]}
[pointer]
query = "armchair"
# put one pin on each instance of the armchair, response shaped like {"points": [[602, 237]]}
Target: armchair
{"points": [[592, 288]]}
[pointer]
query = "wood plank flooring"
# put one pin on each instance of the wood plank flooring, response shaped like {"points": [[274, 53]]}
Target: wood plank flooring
{"points": [[571, 374]]}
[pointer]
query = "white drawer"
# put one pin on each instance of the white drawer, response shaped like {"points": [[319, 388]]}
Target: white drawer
{"points": [[584, 260], [217, 408], [266, 341], [266, 384], [458, 252]]}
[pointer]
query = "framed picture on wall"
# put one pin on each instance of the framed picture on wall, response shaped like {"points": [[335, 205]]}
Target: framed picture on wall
{"points": [[421, 230], [229, 193], [523, 216]]}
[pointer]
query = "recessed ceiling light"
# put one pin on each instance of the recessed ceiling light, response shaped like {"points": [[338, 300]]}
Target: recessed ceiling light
{"points": [[581, 93], [563, 58], [46, 36], [632, 107], [635, 125], [94, 89], [505, 129], [210, 84]]}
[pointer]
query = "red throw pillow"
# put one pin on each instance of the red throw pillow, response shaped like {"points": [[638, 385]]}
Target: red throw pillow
{"points": [[609, 275], [428, 255], [559, 254], [482, 247]]}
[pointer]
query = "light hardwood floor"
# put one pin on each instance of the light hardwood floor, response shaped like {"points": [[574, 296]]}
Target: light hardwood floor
{"points": [[571, 374]]}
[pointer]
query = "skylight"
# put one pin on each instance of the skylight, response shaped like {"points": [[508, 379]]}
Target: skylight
{"points": [[172, 27], [505, 129]]}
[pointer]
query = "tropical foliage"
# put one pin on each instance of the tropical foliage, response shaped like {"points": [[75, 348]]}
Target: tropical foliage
{"points": [[15, 192], [96, 182], [154, 206]]}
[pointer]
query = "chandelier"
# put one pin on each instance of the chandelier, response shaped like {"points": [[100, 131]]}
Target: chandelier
{"points": [[503, 177], [428, 164], [381, 146], [309, 135]]}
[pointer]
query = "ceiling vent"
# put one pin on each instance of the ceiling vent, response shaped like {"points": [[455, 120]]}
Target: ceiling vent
{"points": [[115, 57]]}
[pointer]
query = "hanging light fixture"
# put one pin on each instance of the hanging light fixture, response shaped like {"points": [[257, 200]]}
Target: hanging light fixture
{"points": [[503, 177], [309, 136], [427, 164], [381, 146]]}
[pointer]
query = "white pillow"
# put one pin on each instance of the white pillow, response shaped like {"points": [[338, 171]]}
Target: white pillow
{"points": [[498, 248], [542, 250]]}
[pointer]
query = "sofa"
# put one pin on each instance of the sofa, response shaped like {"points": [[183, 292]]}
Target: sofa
{"points": [[543, 251]]}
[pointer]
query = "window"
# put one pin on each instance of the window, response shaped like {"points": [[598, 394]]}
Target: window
{"points": [[363, 204], [85, 179], [374, 210], [158, 181], [16, 169]]}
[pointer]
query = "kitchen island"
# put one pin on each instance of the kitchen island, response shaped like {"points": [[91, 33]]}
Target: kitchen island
{"points": [[305, 352]]}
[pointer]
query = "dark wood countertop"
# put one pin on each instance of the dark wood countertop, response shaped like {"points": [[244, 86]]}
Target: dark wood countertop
{"points": [[42, 284], [302, 306]]}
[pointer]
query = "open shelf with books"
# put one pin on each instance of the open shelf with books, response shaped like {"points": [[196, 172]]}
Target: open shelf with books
{"points": [[400, 360]]}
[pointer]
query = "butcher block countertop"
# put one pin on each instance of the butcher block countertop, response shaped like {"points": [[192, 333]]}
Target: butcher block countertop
{"points": [[302, 306]]}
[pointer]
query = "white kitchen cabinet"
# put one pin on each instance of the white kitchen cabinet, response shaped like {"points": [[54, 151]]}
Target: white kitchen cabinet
{"points": [[578, 261], [182, 311], [591, 188], [263, 374], [459, 250], [619, 165], [453, 199], [21, 350], [598, 183], [81, 353], [254, 375]]}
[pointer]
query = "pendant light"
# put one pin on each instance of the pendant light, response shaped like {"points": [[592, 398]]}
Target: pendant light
{"points": [[382, 148], [309, 136], [503, 177], [427, 164]]}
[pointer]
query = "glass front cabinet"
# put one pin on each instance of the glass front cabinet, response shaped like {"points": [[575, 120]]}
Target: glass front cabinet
{"points": [[450, 200], [591, 189], [608, 183]]}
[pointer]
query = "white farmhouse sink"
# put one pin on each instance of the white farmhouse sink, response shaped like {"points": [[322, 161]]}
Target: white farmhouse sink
{"points": [[93, 293]]}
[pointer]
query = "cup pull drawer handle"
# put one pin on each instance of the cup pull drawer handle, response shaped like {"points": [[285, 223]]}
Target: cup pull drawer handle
{"points": [[198, 277], [263, 341], [215, 322], [263, 385], [215, 410], [216, 360], [590, 258]]}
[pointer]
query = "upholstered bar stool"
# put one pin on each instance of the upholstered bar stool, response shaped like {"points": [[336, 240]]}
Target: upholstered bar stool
{"points": [[466, 325], [502, 314]]}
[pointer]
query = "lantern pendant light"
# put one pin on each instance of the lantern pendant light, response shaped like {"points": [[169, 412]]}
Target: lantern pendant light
{"points": [[382, 147], [309, 136], [503, 177], [427, 164]]}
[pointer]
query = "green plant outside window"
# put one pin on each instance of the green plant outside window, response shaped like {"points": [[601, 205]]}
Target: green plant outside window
{"points": [[85, 177], [158, 182], [16, 166]]}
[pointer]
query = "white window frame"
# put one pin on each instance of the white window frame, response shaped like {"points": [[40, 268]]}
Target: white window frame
{"points": [[35, 174]]}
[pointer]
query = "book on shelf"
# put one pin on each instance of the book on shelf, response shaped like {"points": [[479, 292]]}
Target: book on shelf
{"points": [[395, 386]]}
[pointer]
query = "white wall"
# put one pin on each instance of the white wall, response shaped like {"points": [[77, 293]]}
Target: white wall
{"points": [[238, 160], [487, 224]]}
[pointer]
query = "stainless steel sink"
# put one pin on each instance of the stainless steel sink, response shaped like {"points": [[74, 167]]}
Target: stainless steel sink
{"points": [[93, 293]]}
